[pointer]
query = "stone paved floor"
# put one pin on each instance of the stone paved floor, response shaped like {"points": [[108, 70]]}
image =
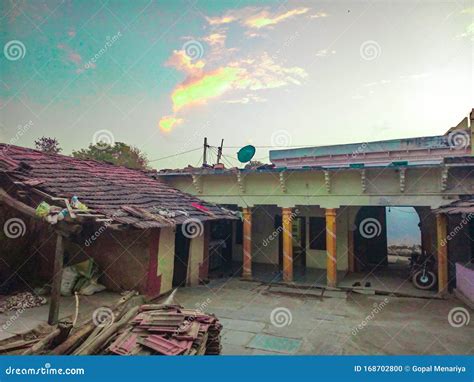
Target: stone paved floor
{"points": [[329, 325], [356, 324]]}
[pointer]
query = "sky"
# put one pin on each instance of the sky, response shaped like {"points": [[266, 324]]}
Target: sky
{"points": [[162, 75]]}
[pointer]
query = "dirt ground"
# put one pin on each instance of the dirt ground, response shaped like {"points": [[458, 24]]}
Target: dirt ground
{"points": [[262, 319]]}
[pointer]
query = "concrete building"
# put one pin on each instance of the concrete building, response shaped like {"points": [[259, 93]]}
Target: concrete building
{"points": [[321, 210]]}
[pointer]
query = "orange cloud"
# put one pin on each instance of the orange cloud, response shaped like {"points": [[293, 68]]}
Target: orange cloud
{"points": [[216, 39], [256, 18], [264, 19], [220, 20], [181, 61], [168, 122]]}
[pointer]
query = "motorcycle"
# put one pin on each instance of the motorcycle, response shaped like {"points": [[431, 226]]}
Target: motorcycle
{"points": [[422, 271]]}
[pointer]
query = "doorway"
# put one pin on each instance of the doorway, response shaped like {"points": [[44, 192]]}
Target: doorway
{"points": [[181, 257]]}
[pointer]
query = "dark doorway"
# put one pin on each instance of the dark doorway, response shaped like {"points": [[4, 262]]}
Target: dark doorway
{"points": [[220, 248], [370, 238], [181, 257]]}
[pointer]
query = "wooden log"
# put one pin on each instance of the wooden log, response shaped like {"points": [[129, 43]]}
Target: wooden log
{"points": [[73, 341], [87, 327], [57, 276], [108, 332], [17, 345], [41, 344]]}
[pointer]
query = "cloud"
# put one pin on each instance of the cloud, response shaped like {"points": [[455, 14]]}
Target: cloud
{"points": [[245, 100], [168, 122], [265, 19], [255, 18], [220, 20], [182, 62], [216, 74], [216, 39], [247, 74], [319, 15], [324, 52]]}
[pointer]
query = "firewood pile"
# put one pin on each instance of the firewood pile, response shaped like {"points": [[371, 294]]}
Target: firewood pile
{"points": [[131, 327]]}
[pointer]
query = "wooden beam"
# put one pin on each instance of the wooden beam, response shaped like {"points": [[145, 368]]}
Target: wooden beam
{"points": [[331, 259], [287, 244], [57, 276], [247, 242], [17, 205], [442, 249]]}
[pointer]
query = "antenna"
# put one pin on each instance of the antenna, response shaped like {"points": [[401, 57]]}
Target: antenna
{"points": [[204, 156], [219, 151]]}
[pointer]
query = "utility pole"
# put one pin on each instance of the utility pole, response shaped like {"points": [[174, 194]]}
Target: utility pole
{"points": [[219, 151], [204, 156]]}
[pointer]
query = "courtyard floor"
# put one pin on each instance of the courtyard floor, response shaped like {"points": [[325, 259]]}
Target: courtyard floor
{"points": [[344, 323], [259, 318]]}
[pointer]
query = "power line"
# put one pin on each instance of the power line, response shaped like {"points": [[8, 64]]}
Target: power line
{"points": [[175, 155]]}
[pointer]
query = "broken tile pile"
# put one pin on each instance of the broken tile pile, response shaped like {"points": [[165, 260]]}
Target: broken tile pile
{"points": [[21, 301], [169, 330]]}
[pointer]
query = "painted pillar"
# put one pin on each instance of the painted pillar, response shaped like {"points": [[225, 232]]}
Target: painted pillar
{"points": [[287, 245], [153, 283], [247, 242], [331, 259], [442, 249], [204, 266]]}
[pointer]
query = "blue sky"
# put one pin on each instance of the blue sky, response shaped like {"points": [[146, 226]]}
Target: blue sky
{"points": [[161, 75]]}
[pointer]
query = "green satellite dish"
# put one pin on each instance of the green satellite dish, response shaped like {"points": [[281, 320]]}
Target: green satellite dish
{"points": [[246, 153]]}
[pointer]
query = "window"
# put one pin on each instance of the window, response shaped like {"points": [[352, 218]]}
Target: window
{"points": [[317, 233]]}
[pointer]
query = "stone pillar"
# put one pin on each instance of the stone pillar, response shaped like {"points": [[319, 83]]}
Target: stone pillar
{"points": [[247, 242], [442, 251], [331, 259], [287, 223]]}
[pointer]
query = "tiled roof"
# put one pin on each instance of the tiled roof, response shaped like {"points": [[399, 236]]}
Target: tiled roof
{"points": [[463, 206], [126, 196]]}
